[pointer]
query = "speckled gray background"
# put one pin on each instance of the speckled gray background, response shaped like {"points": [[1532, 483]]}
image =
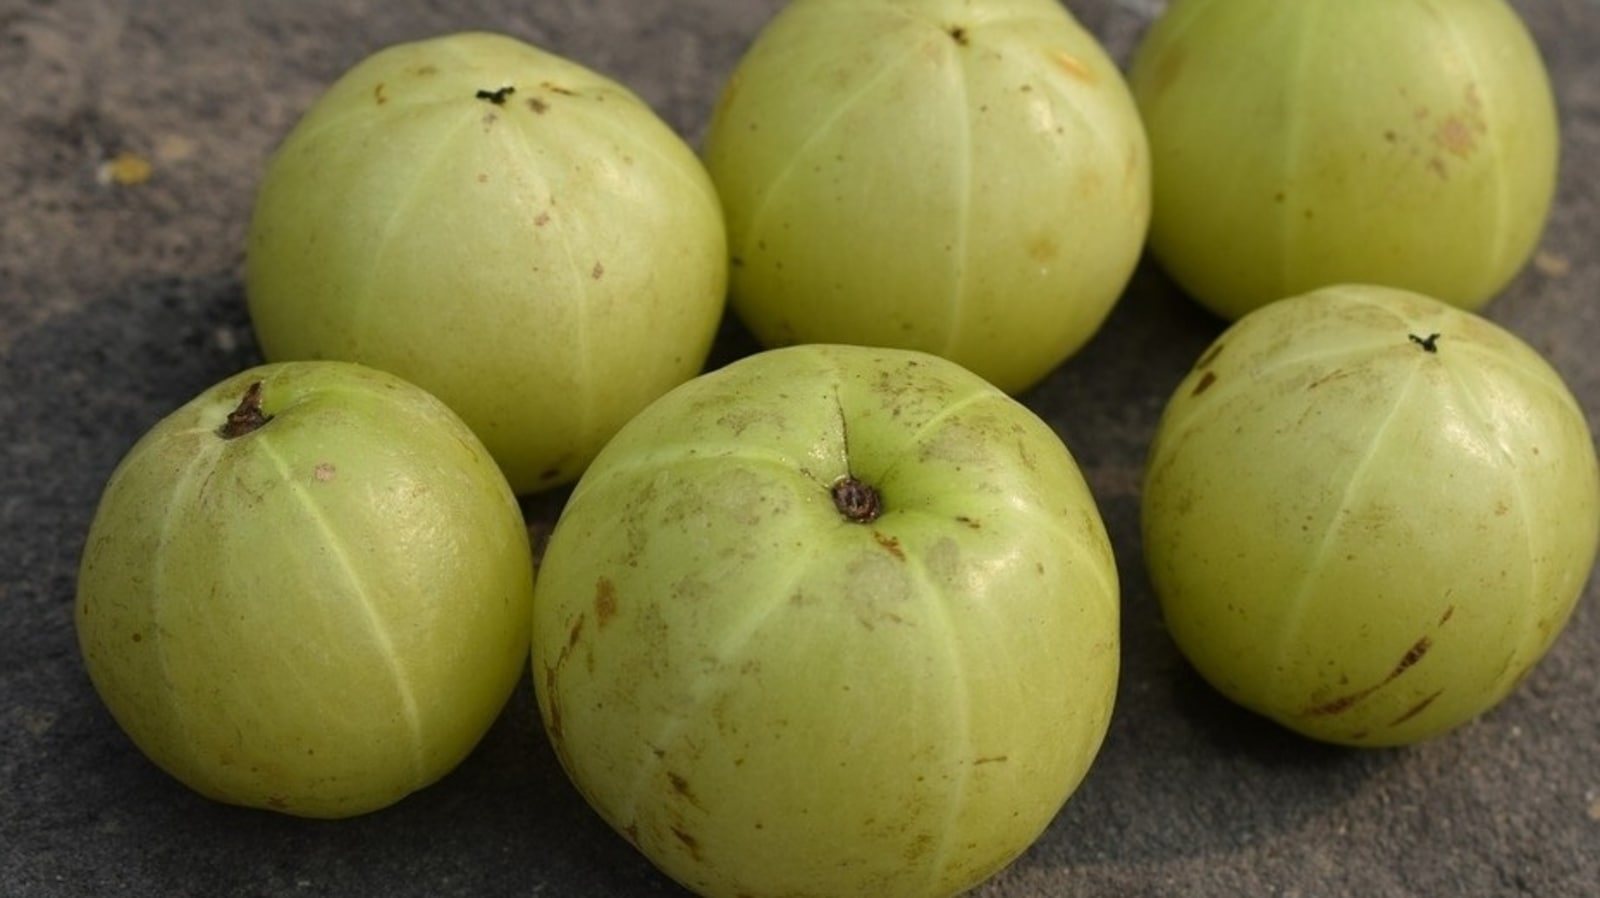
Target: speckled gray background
{"points": [[117, 303]]}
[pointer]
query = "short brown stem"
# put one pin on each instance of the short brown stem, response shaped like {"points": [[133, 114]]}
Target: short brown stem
{"points": [[1430, 343], [498, 96], [247, 417], [857, 501]]}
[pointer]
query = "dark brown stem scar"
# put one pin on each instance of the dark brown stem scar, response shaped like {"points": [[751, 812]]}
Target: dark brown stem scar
{"points": [[247, 417], [497, 97], [857, 501], [1430, 343]]}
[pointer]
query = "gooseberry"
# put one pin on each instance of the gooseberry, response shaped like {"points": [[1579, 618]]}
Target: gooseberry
{"points": [[831, 620], [306, 590], [1411, 143], [517, 234], [968, 179], [1368, 514]]}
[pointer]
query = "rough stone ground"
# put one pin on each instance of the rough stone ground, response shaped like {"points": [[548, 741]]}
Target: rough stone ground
{"points": [[119, 302]]}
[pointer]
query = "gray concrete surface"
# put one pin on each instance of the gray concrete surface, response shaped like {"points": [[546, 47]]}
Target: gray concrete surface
{"points": [[119, 302]]}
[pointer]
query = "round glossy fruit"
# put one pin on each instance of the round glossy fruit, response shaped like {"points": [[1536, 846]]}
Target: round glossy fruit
{"points": [[1296, 145], [963, 178], [516, 234], [308, 590], [1368, 514], [829, 621]]}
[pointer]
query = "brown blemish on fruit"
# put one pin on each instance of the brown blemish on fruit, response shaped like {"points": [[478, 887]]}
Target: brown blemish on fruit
{"points": [[605, 601], [558, 89], [539, 107], [380, 94], [1458, 132], [324, 472], [552, 676], [1339, 705], [889, 543], [1346, 702], [598, 271], [990, 759], [1448, 613], [971, 523], [1043, 248], [554, 703], [1206, 380], [1072, 65], [689, 842], [247, 416], [1456, 137], [958, 33], [1411, 657], [1416, 709], [1335, 374], [1418, 650], [680, 785]]}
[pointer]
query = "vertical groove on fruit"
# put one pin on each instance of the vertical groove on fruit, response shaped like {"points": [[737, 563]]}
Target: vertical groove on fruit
{"points": [[959, 751], [1292, 215], [1294, 618], [821, 130], [181, 497], [358, 591], [960, 121]]}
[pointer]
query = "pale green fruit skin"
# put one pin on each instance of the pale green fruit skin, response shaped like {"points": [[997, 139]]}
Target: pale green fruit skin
{"points": [[1411, 143], [546, 266], [770, 700], [983, 198], [318, 617], [1367, 542]]}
